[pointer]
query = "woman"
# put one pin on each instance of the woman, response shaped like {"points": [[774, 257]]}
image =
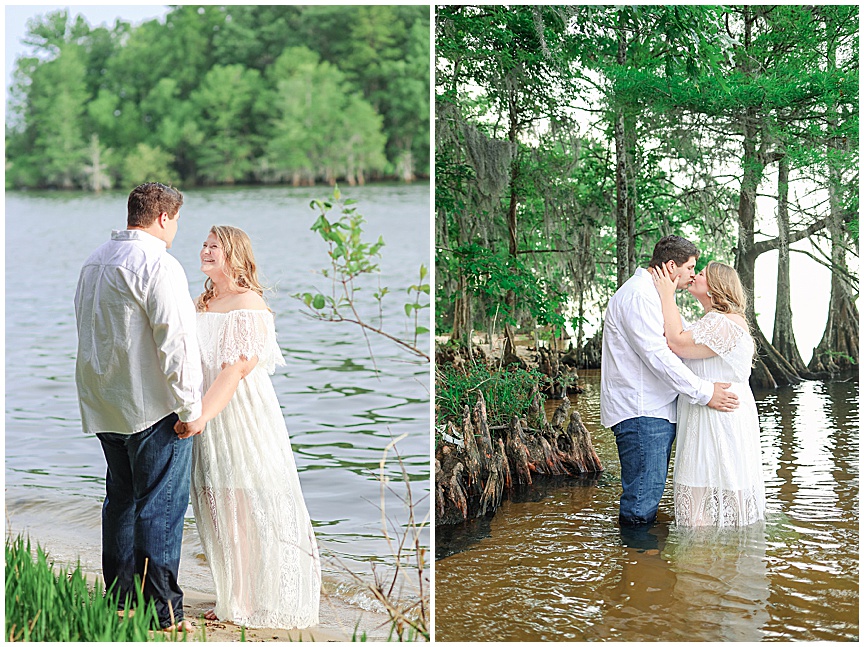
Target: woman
{"points": [[246, 496], [718, 467]]}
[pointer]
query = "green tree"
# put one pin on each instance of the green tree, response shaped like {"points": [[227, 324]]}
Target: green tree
{"points": [[57, 99], [164, 84], [500, 50], [322, 129], [147, 164], [405, 104], [384, 53], [224, 110]]}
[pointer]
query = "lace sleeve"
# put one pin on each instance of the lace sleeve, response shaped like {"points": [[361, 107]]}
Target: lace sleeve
{"points": [[248, 334], [729, 340]]}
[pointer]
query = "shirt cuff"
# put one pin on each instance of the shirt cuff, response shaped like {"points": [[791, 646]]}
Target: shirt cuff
{"points": [[706, 392], [190, 413]]}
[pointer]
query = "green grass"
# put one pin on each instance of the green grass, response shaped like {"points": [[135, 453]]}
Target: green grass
{"points": [[507, 393], [47, 604]]}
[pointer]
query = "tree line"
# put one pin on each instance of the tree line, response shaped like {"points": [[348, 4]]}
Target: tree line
{"points": [[222, 95], [570, 139]]}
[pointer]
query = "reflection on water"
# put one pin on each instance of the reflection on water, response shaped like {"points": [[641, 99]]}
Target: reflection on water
{"points": [[340, 415], [554, 565]]}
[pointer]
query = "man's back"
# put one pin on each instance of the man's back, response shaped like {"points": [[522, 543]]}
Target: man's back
{"points": [[137, 353]]}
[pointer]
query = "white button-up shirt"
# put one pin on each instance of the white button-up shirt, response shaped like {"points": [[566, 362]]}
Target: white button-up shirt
{"points": [[138, 358], [639, 375]]}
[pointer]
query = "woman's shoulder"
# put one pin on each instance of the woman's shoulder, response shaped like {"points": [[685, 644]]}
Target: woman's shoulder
{"points": [[738, 319], [715, 316], [735, 318], [245, 301], [249, 300]]}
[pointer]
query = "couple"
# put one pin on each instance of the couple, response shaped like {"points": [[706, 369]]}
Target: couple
{"points": [[650, 360], [140, 378]]}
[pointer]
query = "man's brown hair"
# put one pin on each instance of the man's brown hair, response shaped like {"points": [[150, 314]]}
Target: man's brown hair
{"points": [[148, 200], [673, 248]]}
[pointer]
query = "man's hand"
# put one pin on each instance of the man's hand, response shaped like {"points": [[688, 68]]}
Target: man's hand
{"points": [[189, 429], [722, 400]]}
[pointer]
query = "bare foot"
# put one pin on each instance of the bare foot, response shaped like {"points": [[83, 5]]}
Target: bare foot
{"points": [[211, 615], [125, 613], [183, 625]]}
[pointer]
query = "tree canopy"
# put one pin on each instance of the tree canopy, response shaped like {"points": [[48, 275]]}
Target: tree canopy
{"points": [[569, 139], [223, 95]]}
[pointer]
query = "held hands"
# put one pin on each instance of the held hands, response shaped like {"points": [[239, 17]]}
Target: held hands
{"points": [[189, 429], [663, 281], [723, 400]]}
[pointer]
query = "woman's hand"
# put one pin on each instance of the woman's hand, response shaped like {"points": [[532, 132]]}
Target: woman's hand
{"points": [[189, 429], [664, 283]]}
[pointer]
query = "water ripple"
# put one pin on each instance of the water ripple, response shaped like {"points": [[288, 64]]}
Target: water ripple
{"points": [[553, 564], [340, 414]]}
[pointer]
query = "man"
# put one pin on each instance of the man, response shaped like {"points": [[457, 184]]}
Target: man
{"points": [[641, 379], [138, 370]]}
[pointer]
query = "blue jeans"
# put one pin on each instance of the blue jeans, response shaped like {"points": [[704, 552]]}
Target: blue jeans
{"points": [[644, 448], [146, 497]]}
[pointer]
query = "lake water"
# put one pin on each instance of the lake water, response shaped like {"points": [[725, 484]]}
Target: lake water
{"points": [[339, 414], [552, 564]]}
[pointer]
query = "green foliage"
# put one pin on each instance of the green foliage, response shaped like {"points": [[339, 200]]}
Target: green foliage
{"points": [[494, 274], [507, 393], [691, 90], [223, 113], [59, 98], [42, 605], [147, 164], [224, 94], [350, 258], [414, 309], [323, 130]]}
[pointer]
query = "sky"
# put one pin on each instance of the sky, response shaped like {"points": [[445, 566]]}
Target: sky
{"points": [[17, 16]]}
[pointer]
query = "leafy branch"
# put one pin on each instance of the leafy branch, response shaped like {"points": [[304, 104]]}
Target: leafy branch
{"points": [[350, 258]]}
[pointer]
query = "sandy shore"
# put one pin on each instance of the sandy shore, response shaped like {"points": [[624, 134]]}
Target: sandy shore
{"points": [[337, 622]]}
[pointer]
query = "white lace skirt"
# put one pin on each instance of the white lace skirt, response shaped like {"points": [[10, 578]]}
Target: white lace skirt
{"points": [[253, 523], [718, 465]]}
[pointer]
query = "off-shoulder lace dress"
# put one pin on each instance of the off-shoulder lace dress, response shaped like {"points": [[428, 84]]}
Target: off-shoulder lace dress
{"points": [[253, 523], [718, 460]]}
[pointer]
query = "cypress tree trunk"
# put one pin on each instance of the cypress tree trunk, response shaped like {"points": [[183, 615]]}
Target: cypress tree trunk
{"points": [[513, 248], [783, 338], [838, 349], [462, 324], [621, 224], [625, 210], [771, 369]]}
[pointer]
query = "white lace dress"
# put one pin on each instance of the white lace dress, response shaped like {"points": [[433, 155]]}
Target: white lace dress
{"points": [[718, 460], [254, 526]]}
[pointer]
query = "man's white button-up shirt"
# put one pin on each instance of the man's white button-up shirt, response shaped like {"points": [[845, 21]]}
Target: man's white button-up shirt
{"points": [[138, 358], [639, 375]]}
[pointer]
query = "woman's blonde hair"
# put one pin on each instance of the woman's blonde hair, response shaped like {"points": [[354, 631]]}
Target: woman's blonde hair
{"points": [[239, 262], [724, 285]]}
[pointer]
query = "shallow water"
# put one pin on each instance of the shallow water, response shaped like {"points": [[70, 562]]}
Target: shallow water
{"points": [[340, 416], [552, 564]]}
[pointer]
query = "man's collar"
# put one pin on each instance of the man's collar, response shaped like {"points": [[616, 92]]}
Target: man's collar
{"points": [[136, 234]]}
